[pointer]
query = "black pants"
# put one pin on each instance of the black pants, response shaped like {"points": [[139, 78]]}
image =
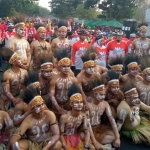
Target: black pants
{"points": [[76, 72]]}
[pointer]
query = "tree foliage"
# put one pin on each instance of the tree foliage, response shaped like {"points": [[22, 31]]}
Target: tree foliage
{"points": [[12, 7], [86, 14], [64, 8]]}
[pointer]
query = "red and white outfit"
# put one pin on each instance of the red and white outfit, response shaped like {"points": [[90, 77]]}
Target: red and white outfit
{"points": [[116, 49], [78, 50], [129, 44], [8, 35]]}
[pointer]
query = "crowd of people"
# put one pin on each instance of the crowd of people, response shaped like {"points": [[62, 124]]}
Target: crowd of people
{"points": [[73, 89]]}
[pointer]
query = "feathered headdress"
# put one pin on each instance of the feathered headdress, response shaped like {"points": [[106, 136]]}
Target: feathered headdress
{"points": [[46, 61], [74, 93], [19, 20], [116, 63], [89, 57], [32, 79], [145, 64], [112, 77], [32, 96], [131, 61], [63, 57], [98, 86], [9, 55]]}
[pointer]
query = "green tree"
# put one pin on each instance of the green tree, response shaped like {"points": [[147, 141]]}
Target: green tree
{"points": [[87, 14], [64, 8], [28, 7], [113, 9]]}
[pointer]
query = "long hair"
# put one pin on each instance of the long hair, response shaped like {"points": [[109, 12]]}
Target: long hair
{"points": [[6, 53], [32, 77], [60, 54], [29, 93], [74, 88]]}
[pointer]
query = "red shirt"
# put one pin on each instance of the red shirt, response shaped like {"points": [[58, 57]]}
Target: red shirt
{"points": [[116, 49], [78, 50], [9, 34]]}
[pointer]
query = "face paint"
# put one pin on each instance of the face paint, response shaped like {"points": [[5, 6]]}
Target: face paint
{"points": [[65, 70], [37, 110], [47, 74], [135, 101], [148, 78], [62, 33], [143, 35], [133, 72], [78, 106], [115, 90], [20, 32], [100, 97], [90, 70]]}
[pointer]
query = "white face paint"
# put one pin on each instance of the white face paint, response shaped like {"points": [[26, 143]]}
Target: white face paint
{"points": [[115, 90], [135, 101], [20, 32], [78, 106], [47, 74], [133, 72], [63, 33], [65, 70], [100, 97], [89, 70], [38, 110], [148, 78]]}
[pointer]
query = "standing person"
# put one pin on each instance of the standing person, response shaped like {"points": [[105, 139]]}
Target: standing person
{"points": [[38, 47], [141, 45], [9, 33], [61, 42], [117, 47], [54, 35], [78, 50], [101, 51], [130, 41], [18, 43]]}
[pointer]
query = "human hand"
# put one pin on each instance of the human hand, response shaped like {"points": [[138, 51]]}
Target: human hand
{"points": [[98, 146], [116, 142], [17, 100], [115, 102], [61, 111]]}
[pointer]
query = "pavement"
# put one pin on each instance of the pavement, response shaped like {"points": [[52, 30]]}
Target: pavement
{"points": [[126, 144]]}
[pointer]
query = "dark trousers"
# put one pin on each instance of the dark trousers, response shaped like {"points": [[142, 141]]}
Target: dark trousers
{"points": [[76, 72]]}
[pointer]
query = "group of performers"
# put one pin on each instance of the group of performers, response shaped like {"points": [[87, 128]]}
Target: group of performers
{"points": [[58, 97]]}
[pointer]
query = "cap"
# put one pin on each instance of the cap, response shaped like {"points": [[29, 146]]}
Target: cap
{"points": [[82, 32], [10, 25], [120, 32], [133, 35]]}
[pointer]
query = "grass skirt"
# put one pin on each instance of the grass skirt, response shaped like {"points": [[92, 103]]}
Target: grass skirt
{"points": [[141, 134], [74, 142]]}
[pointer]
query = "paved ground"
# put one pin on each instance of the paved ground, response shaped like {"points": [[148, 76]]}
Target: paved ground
{"points": [[125, 143]]}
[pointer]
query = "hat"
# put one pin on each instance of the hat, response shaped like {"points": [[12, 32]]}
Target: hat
{"points": [[120, 32], [133, 35], [10, 25], [82, 32]]}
